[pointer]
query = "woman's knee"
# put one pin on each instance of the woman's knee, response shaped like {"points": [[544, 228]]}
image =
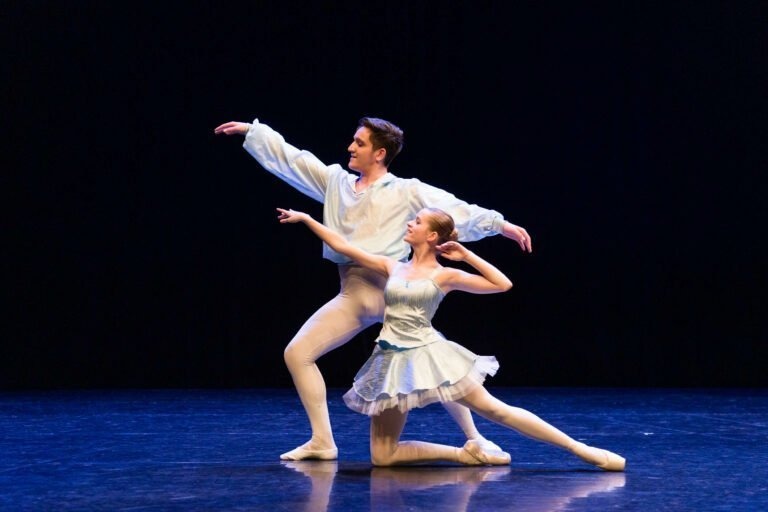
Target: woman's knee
{"points": [[381, 456], [382, 450]]}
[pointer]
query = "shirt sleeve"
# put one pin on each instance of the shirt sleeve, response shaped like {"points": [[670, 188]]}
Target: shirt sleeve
{"points": [[299, 168], [473, 222]]}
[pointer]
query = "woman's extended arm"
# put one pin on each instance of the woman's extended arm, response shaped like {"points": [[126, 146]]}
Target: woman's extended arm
{"points": [[337, 242]]}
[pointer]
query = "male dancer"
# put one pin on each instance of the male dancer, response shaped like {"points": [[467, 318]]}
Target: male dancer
{"points": [[371, 209]]}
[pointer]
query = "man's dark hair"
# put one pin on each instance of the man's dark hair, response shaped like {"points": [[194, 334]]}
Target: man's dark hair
{"points": [[384, 135]]}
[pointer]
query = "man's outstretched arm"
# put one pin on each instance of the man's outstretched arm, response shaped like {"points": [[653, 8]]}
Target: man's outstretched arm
{"points": [[473, 222], [299, 168]]}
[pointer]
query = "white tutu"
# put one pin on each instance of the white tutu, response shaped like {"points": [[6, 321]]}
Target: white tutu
{"points": [[442, 371]]}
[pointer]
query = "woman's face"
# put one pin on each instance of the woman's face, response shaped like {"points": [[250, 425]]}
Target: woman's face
{"points": [[417, 229]]}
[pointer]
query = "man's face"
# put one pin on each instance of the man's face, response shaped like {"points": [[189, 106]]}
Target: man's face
{"points": [[361, 153]]}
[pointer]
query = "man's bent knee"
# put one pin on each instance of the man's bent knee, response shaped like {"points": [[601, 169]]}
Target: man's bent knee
{"points": [[295, 357]]}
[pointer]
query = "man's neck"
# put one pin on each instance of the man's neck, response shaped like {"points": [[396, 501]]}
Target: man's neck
{"points": [[369, 177]]}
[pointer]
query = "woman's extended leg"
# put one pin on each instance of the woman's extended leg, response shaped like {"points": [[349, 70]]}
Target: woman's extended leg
{"points": [[530, 425]]}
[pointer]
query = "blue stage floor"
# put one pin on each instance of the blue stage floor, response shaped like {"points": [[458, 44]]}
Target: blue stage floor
{"points": [[218, 450]]}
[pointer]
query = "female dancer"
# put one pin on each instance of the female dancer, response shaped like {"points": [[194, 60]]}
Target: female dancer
{"points": [[413, 365]]}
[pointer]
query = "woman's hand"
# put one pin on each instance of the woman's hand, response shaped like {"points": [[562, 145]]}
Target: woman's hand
{"points": [[290, 216], [453, 251]]}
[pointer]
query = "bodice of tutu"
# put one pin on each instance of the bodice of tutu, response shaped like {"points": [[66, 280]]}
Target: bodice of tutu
{"points": [[408, 368], [408, 311]]}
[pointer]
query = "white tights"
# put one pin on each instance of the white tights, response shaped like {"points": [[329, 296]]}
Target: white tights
{"points": [[386, 428], [359, 304]]}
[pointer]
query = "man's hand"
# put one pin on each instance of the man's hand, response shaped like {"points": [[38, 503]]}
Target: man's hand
{"points": [[231, 128], [519, 235]]}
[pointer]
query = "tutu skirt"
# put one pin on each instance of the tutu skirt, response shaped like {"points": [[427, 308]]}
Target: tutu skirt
{"points": [[442, 371]]}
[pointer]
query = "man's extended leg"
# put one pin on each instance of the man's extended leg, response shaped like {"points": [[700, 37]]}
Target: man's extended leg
{"points": [[358, 306], [331, 326]]}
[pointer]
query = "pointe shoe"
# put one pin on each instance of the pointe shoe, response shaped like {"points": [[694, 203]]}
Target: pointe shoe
{"points": [[488, 445], [603, 459], [493, 457], [303, 453]]}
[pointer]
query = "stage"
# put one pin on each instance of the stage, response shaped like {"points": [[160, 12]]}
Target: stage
{"points": [[156, 450]]}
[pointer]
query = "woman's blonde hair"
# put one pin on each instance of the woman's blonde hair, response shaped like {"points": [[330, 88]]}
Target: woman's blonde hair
{"points": [[442, 223]]}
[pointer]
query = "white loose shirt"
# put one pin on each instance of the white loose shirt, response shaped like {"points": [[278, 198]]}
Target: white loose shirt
{"points": [[374, 219]]}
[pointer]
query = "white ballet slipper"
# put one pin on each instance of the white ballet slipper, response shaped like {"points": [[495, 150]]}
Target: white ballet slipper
{"points": [[304, 453], [494, 457], [603, 459], [488, 446]]}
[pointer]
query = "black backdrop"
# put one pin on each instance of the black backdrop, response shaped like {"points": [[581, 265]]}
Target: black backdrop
{"points": [[628, 137]]}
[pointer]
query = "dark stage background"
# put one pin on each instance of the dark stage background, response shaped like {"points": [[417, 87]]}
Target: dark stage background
{"points": [[628, 137]]}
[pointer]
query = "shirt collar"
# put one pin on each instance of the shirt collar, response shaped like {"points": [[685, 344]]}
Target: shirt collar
{"points": [[381, 181]]}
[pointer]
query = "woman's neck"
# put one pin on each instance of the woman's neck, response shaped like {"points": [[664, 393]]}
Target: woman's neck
{"points": [[423, 257]]}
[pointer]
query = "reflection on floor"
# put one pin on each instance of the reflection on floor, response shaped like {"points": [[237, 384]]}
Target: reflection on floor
{"points": [[152, 450]]}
